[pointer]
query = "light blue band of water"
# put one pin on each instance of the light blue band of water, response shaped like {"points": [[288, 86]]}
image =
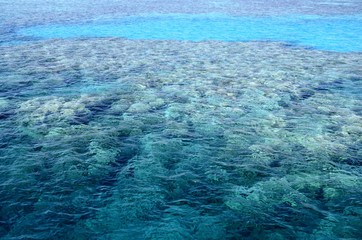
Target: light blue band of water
{"points": [[341, 33]]}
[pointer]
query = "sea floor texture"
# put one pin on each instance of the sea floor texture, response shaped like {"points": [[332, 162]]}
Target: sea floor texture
{"points": [[109, 138]]}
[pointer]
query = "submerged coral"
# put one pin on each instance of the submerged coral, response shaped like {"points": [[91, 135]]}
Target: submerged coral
{"points": [[179, 140]]}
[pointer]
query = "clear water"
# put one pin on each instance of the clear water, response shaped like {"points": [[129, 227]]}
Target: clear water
{"points": [[326, 33], [144, 134]]}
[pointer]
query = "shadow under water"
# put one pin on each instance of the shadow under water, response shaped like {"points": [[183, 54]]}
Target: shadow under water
{"points": [[119, 139]]}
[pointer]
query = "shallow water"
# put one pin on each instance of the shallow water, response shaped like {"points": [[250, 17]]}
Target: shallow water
{"points": [[326, 33], [110, 138]]}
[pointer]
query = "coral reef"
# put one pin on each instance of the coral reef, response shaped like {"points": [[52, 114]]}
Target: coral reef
{"points": [[119, 139]]}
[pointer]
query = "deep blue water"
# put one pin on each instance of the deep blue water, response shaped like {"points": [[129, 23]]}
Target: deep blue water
{"points": [[338, 33], [122, 120]]}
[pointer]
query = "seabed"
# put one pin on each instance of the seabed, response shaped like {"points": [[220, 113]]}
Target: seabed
{"points": [[117, 139]]}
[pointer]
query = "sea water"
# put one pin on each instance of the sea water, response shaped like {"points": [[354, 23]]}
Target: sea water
{"points": [[327, 33], [180, 119]]}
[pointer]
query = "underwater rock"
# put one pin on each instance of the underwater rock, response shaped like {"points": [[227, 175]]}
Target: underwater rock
{"points": [[98, 104], [175, 129], [131, 124], [139, 108], [178, 111], [4, 104], [148, 198], [50, 110], [339, 185], [98, 164], [354, 130], [212, 132], [275, 198], [5, 109], [320, 143], [157, 103], [119, 107], [167, 151], [151, 120], [101, 155]]}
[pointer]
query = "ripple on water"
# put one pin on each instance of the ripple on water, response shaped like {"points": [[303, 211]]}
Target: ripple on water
{"points": [[179, 140], [337, 33]]}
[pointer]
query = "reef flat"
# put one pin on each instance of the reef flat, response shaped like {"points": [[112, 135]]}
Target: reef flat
{"points": [[118, 139]]}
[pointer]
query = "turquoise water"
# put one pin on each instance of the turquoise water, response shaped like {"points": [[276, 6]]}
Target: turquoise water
{"points": [[127, 120], [326, 33]]}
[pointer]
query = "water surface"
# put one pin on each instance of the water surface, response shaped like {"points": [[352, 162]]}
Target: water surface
{"points": [[328, 33], [180, 119]]}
